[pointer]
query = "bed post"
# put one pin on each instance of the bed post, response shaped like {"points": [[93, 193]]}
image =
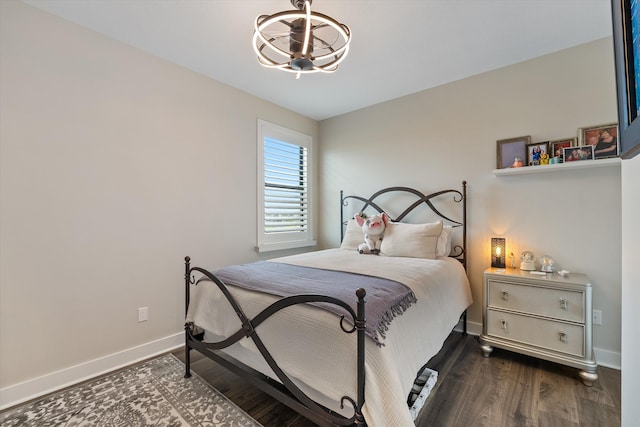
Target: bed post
{"points": [[464, 221], [341, 215], [464, 245], [360, 325], [187, 326]]}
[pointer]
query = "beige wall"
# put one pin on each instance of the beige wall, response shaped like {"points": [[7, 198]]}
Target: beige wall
{"points": [[438, 137], [114, 166]]}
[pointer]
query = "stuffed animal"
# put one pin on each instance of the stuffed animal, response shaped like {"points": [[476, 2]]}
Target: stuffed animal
{"points": [[373, 229]]}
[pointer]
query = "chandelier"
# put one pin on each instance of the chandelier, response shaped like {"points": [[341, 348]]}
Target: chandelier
{"points": [[300, 41]]}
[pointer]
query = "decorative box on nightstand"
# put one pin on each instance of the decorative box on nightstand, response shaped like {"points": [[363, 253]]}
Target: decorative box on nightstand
{"points": [[546, 316]]}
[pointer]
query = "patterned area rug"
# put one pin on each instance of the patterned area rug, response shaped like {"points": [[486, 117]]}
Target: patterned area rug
{"points": [[153, 393]]}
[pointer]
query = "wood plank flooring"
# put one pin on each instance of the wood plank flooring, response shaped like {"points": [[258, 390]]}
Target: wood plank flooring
{"points": [[506, 389]]}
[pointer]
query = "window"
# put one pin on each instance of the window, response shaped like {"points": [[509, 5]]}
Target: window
{"points": [[284, 188]]}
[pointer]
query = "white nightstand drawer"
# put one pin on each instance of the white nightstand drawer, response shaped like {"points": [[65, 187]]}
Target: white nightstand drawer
{"points": [[549, 302], [557, 336]]}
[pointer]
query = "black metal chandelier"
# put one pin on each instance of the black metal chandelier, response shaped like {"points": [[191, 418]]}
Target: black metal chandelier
{"points": [[300, 41]]}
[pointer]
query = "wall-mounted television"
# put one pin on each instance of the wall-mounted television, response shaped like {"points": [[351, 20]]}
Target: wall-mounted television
{"points": [[626, 42]]}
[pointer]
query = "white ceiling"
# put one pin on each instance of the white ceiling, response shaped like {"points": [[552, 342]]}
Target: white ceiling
{"points": [[398, 46]]}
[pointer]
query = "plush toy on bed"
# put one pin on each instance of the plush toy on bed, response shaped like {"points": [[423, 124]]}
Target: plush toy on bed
{"points": [[373, 229]]}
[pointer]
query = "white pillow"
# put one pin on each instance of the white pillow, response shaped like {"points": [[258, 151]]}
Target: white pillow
{"points": [[411, 240], [443, 247], [353, 236]]}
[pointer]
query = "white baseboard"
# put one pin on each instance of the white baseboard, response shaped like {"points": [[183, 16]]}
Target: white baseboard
{"points": [[31, 389], [607, 358], [473, 328]]}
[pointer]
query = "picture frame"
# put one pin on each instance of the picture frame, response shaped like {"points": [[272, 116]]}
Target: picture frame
{"points": [[625, 15], [511, 148], [556, 147], [604, 139], [535, 152], [578, 153]]}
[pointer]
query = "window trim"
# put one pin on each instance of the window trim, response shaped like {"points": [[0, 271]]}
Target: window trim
{"points": [[272, 242]]}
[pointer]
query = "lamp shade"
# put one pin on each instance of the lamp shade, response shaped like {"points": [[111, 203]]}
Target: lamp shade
{"points": [[498, 252]]}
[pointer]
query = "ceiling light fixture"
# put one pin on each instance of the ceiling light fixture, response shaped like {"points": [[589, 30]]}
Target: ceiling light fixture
{"points": [[300, 41]]}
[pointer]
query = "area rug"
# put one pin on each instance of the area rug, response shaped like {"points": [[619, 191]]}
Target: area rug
{"points": [[153, 393]]}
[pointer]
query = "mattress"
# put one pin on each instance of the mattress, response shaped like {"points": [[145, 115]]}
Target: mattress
{"points": [[308, 344]]}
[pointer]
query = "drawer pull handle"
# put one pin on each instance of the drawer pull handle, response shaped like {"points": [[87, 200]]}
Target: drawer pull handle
{"points": [[564, 304], [504, 324], [563, 336], [505, 295]]}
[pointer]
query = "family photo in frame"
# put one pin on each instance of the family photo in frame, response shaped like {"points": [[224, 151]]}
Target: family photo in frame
{"points": [[583, 152], [537, 153], [603, 138], [556, 147]]}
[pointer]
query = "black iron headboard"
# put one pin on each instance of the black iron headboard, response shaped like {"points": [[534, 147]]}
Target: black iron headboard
{"points": [[433, 201]]}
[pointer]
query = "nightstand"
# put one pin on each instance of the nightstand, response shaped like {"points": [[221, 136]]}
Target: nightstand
{"points": [[546, 316]]}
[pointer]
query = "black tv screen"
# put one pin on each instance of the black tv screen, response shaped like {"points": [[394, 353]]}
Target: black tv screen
{"points": [[626, 40], [635, 54]]}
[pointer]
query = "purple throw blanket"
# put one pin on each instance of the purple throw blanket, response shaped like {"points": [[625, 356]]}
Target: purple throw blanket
{"points": [[386, 299]]}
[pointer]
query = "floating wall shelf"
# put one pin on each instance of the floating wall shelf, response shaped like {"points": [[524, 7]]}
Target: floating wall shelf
{"points": [[582, 164]]}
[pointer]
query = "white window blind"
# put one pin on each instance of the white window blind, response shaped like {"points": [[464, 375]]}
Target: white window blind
{"points": [[284, 213], [285, 187]]}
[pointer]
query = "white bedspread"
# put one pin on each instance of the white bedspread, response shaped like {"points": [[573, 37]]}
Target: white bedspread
{"points": [[308, 344]]}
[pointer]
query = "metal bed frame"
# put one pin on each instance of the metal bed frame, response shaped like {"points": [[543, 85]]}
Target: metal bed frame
{"points": [[285, 390]]}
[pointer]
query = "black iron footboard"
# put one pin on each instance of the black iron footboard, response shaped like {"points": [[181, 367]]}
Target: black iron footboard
{"points": [[285, 391]]}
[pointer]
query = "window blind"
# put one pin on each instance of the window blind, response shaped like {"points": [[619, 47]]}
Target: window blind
{"points": [[285, 187]]}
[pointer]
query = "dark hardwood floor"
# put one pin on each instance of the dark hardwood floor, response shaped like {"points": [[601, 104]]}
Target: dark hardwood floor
{"points": [[506, 389]]}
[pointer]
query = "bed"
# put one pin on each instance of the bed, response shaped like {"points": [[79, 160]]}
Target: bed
{"points": [[337, 335]]}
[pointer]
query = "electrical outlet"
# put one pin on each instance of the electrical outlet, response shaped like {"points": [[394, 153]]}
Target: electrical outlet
{"points": [[597, 317], [143, 314]]}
